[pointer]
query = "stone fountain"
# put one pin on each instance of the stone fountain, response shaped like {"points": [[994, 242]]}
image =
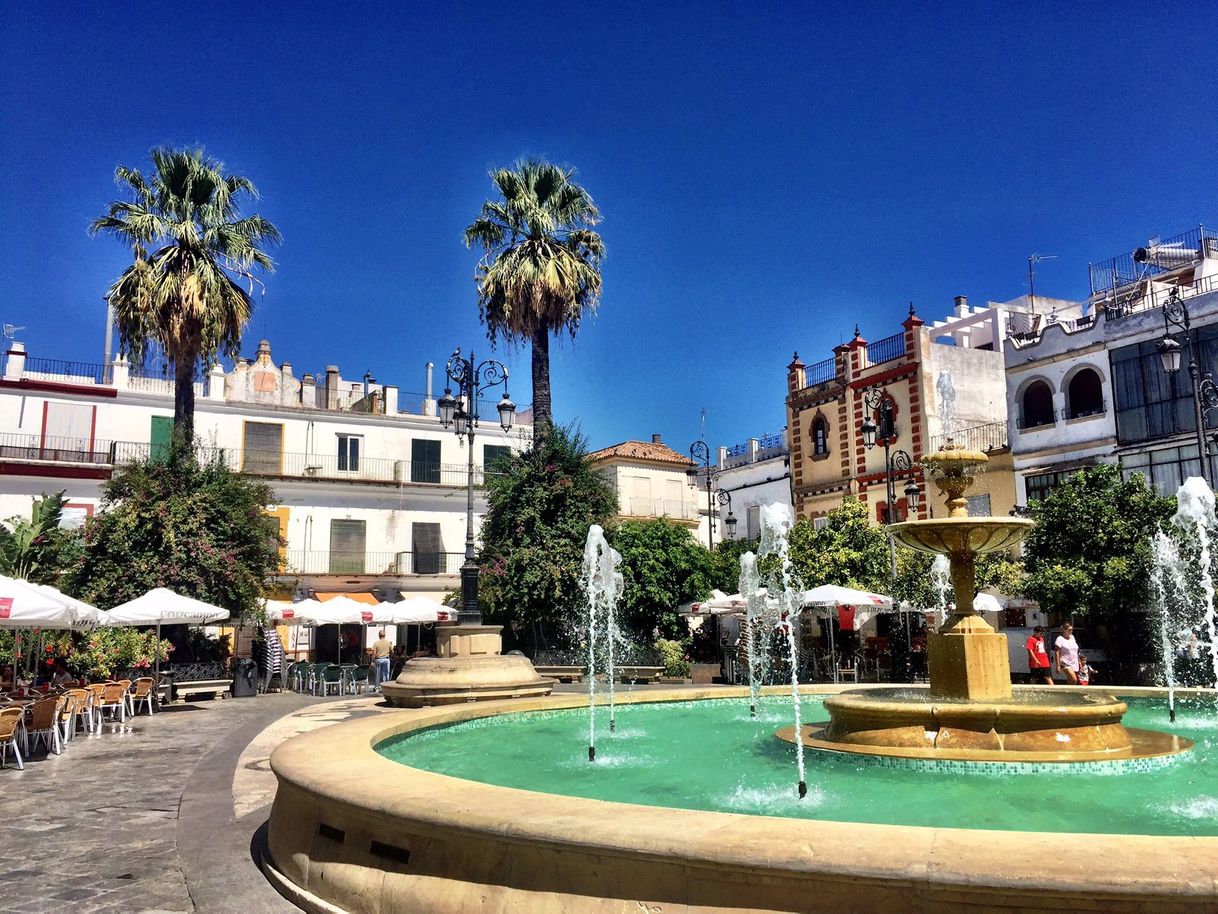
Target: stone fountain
{"points": [[969, 712]]}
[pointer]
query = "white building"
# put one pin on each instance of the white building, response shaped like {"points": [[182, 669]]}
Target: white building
{"points": [[1089, 386], [753, 474], [650, 479], [369, 488]]}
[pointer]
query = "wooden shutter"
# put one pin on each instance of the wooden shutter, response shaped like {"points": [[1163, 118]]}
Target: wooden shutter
{"points": [[263, 451], [428, 549], [159, 437], [347, 545], [424, 460]]}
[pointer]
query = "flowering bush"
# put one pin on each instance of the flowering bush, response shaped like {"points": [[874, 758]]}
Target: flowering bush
{"points": [[676, 661], [106, 651]]}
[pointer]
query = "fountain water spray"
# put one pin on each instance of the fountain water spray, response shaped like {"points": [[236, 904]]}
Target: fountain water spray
{"points": [[750, 584], [786, 589], [1195, 510], [940, 579], [603, 585], [1170, 587]]}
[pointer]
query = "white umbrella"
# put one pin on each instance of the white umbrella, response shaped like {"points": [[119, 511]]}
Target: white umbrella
{"points": [[161, 606], [987, 603], [24, 605], [300, 613], [834, 596], [86, 615]]}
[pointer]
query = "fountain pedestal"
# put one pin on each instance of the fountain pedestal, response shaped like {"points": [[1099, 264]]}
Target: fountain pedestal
{"points": [[469, 667], [968, 660]]}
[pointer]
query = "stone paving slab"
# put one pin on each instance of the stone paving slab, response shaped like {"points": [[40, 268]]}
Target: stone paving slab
{"points": [[96, 829]]}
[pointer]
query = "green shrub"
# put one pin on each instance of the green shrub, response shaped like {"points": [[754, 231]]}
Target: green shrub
{"points": [[676, 661]]}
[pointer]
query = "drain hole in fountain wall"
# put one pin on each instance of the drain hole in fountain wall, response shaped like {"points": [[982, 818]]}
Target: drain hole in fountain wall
{"points": [[390, 852], [329, 831]]}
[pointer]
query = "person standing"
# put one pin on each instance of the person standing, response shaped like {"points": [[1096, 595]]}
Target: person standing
{"points": [[381, 651], [1038, 657], [1065, 654]]}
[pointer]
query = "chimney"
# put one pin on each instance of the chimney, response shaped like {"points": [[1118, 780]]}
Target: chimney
{"points": [[961, 305], [332, 380], [655, 438]]}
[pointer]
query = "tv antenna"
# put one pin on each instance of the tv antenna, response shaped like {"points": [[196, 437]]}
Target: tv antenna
{"points": [[10, 332], [1034, 259]]}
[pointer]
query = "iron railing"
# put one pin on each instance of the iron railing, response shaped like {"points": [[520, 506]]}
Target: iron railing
{"points": [[55, 449], [1111, 275], [326, 561], [887, 349], [820, 372], [989, 436], [1067, 413], [61, 370], [1038, 421]]}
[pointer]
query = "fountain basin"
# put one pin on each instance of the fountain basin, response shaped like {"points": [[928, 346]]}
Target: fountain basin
{"points": [[353, 830], [962, 535], [1032, 726]]}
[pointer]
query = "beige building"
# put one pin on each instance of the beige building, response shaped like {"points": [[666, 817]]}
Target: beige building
{"points": [[940, 380], [651, 480]]}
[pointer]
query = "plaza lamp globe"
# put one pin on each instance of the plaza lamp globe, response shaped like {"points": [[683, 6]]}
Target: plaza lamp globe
{"points": [[461, 421], [447, 405], [692, 475], [868, 433], [730, 523], [1169, 353], [507, 412], [912, 496]]}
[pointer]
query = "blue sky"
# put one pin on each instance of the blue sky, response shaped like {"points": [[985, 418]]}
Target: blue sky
{"points": [[768, 173]]}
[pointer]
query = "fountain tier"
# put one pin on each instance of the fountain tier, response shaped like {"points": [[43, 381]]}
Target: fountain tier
{"points": [[969, 712]]}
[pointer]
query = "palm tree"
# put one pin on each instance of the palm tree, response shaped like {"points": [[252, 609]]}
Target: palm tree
{"points": [[185, 295], [541, 269]]}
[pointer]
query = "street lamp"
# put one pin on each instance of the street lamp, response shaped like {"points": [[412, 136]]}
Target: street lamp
{"points": [[1205, 391], [700, 452], [460, 413], [896, 463]]}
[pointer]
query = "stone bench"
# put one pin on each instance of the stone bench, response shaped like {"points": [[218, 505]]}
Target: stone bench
{"points": [[630, 672], [561, 673], [202, 686]]}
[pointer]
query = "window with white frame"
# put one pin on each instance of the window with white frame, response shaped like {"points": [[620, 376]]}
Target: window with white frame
{"points": [[349, 447]]}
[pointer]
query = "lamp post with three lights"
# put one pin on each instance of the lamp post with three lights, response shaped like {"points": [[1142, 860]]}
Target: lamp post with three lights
{"points": [[460, 413], [700, 452]]}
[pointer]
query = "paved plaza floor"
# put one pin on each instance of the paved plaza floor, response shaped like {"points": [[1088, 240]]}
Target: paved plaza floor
{"points": [[160, 814]]}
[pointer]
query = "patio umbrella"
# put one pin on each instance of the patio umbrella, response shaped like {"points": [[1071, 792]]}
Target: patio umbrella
{"points": [[86, 615], [340, 611], [834, 596], [25, 605], [161, 606], [987, 603]]}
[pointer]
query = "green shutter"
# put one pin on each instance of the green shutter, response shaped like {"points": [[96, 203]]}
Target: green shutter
{"points": [[424, 460], [160, 437]]}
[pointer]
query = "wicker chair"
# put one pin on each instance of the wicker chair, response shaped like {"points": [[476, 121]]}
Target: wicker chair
{"points": [[126, 684], [84, 708], [97, 694], [10, 735], [67, 716], [142, 691], [44, 724], [114, 698]]}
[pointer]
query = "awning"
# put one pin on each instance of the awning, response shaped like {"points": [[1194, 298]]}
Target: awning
{"points": [[357, 597]]}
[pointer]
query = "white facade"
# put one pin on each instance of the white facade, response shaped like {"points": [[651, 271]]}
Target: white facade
{"points": [[754, 474], [651, 481], [368, 497]]}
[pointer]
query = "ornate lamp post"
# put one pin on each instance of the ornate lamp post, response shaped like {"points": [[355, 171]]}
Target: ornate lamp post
{"points": [[896, 462], [1205, 391], [700, 452], [460, 413]]}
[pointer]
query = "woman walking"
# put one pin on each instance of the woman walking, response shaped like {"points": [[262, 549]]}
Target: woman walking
{"points": [[1065, 654]]}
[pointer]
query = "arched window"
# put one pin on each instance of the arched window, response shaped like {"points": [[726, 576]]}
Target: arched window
{"points": [[1085, 394], [820, 437], [1036, 405]]}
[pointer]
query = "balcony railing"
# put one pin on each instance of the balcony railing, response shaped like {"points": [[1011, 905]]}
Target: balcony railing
{"points": [[61, 370], [55, 449], [255, 463], [324, 561], [820, 372], [989, 436], [887, 349], [661, 507]]}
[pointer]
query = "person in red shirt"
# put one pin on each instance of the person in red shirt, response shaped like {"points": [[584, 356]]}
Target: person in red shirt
{"points": [[1038, 657]]}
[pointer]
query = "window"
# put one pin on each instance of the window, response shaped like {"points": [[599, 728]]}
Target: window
{"points": [[820, 437], [1038, 486], [820, 523], [429, 557], [347, 544], [348, 453], [424, 460], [978, 505], [1085, 394], [263, 450], [1167, 468], [1149, 402], [492, 454], [1036, 405], [68, 427]]}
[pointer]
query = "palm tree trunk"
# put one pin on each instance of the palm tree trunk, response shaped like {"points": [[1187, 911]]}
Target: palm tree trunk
{"points": [[184, 403], [543, 419]]}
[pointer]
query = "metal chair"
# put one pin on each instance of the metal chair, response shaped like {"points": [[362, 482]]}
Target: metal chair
{"points": [[44, 724], [11, 720], [142, 691]]}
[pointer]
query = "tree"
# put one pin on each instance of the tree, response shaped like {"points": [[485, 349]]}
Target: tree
{"points": [[847, 550], [1089, 553], [37, 549], [725, 574], [539, 507], [185, 295], [541, 269], [199, 529], [662, 568]]}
